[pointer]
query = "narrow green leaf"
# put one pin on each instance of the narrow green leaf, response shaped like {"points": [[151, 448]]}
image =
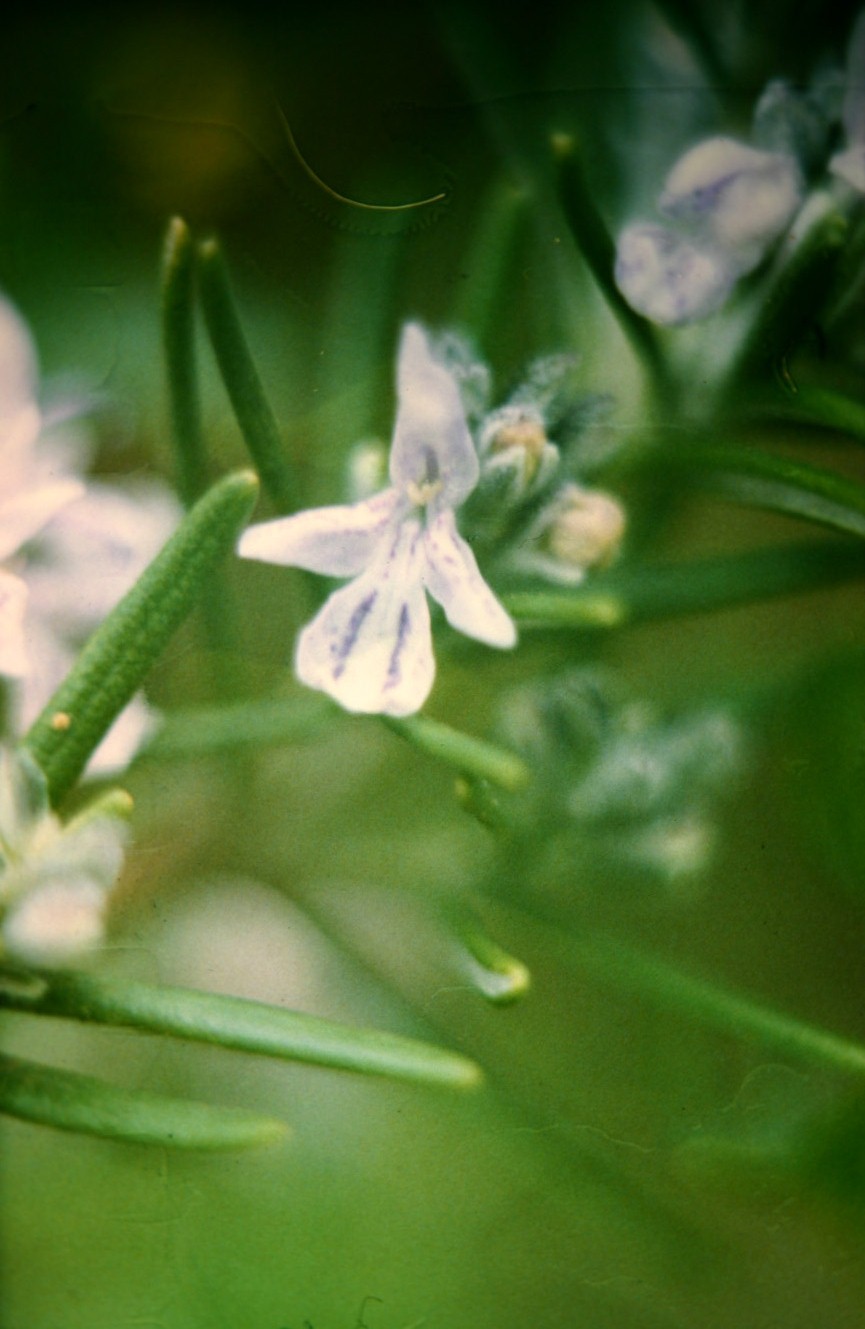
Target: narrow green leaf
{"points": [[471, 756], [70, 1101], [247, 1026], [205, 731], [742, 1017], [763, 479], [598, 248], [120, 653], [178, 341], [834, 410], [242, 382], [639, 594]]}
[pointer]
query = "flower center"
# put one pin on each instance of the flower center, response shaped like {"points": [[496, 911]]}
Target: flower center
{"points": [[422, 492]]}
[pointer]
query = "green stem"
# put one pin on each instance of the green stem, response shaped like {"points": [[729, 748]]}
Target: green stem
{"points": [[120, 653], [242, 382], [598, 248], [471, 756], [178, 343], [203, 731], [727, 1012]]}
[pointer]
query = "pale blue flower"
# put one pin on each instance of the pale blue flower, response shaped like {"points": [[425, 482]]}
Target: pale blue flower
{"points": [[726, 204], [370, 646]]}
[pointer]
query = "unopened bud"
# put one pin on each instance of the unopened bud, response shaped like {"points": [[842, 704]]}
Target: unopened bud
{"points": [[514, 438], [583, 529]]}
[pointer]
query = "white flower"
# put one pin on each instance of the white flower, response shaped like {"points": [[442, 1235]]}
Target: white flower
{"points": [[663, 275], [370, 646]]}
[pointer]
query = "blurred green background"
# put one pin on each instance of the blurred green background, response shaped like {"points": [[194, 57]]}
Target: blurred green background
{"points": [[626, 1165]]}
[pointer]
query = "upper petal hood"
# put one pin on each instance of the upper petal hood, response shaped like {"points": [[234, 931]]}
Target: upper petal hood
{"points": [[431, 441]]}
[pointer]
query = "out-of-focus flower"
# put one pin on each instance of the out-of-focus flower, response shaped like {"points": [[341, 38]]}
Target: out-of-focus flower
{"points": [[615, 780], [370, 646], [727, 204], [578, 530], [55, 880], [84, 562], [78, 548], [849, 164], [34, 485]]}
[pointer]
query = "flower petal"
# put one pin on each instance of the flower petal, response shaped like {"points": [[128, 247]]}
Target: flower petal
{"points": [[24, 514], [18, 370], [668, 279], [336, 541], [56, 924], [14, 660], [96, 549], [431, 441], [452, 577], [742, 197], [370, 646]]}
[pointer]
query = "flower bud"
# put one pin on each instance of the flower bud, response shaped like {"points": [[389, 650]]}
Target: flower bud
{"points": [[667, 278], [514, 438], [581, 529]]}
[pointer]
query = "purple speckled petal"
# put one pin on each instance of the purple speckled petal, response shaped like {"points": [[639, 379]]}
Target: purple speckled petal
{"points": [[452, 577], [370, 646]]}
